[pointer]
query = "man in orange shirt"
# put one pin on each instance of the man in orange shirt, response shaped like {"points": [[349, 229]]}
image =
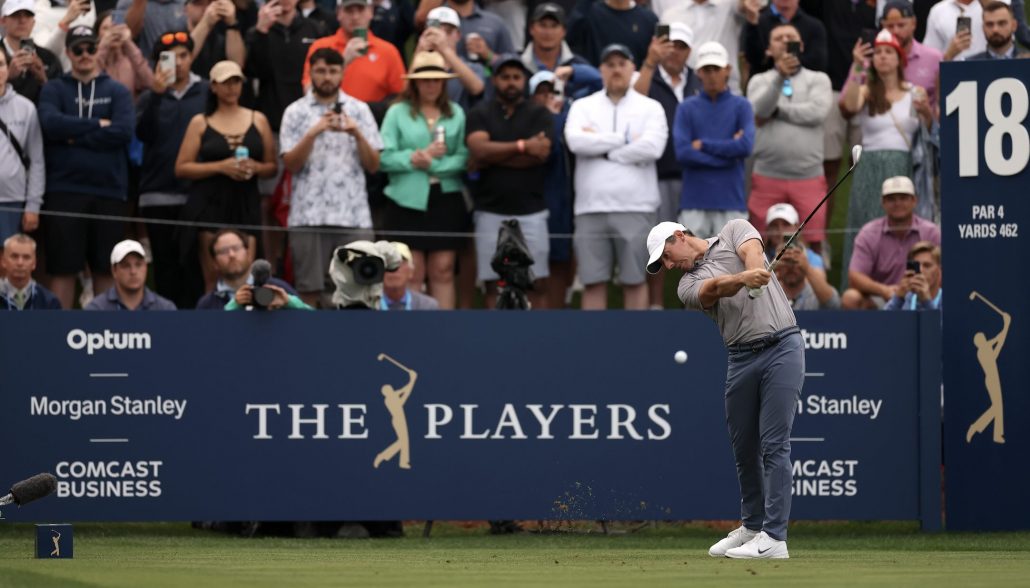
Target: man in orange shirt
{"points": [[373, 69]]}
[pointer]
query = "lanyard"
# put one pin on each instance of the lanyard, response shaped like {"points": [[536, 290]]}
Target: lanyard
{"points": [[406, 300]]}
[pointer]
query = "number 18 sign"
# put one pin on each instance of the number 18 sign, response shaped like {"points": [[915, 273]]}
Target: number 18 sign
{"points": [[985, 197]]}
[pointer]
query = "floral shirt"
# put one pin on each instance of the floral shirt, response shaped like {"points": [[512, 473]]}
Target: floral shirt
{"points": [[330, 189]]}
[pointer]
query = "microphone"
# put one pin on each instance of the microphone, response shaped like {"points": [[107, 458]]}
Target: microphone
{"points": [[31, 489]]}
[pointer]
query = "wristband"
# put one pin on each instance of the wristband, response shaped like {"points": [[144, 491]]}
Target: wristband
{"points": [[521, 144]]}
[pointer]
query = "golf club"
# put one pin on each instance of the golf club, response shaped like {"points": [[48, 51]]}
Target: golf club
{"points": [[856, 154]]}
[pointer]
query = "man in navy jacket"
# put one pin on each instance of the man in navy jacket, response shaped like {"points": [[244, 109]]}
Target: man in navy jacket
{"points": [[87, 120]]}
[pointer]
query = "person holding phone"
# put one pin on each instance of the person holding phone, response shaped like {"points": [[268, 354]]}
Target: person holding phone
{"points": [[215, 28], [760, 25], [920, 289], [29, 66], [328, 141], [373, 68], [442, 35], [119, 57], [922, 63], [791, 103], [878, 265], [955, 28]]}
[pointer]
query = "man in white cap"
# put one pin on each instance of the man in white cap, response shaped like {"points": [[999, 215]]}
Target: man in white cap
{"points": [[665, 76], [801, 271], [878, 262], [713, 135], [764, 375], [442, 34], [130, 292], [29, 66]]}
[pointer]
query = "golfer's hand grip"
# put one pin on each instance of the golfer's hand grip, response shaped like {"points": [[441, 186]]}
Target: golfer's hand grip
{"points": [[756, 292]]}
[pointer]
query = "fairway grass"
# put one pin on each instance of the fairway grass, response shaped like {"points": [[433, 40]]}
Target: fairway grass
{"points": [[823, 554]]}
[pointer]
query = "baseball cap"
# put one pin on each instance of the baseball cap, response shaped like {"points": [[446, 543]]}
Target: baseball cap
{"points": [[354, 2], [782, 211], [549, 10], [405, 252], [226, 70], [616, 48], [656, 243], [681, 32], [711, 53], [887, 38], [507, 59], [445, 15], [898, 185], [541, 77], [904, 7], [79, 34], [124, 248], [12, 6]]}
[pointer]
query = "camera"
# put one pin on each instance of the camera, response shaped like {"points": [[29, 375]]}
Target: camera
{"points": [[260, 271], [513, 262], [913, 266], [367, 269], [357, 269]]}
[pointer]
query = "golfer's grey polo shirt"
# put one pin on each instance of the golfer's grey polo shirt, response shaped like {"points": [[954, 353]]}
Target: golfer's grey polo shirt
{"points": [[739, 317]]}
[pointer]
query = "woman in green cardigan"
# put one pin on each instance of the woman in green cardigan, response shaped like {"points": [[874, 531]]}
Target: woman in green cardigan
{"points": [[424, 156]]}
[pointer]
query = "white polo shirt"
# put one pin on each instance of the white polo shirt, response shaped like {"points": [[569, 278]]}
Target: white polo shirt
{"points": [[941, 25]]}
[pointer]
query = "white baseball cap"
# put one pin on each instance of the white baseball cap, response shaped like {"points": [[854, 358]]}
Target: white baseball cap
{"points": [[124, 248], [782, 211], [445, 15], [898, 185], [656, 243], [712, 53], [12, 6], [679, 31]]}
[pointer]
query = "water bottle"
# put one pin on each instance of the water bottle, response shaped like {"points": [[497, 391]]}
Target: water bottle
{"points": [[242, 153], [439, 134]]}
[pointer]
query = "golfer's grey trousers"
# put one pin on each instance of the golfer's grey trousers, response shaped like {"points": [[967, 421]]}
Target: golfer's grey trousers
{"points": [[763, 384]]}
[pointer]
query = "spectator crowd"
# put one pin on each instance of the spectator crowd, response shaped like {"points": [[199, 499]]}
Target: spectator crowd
{"points": [[187, 138]]}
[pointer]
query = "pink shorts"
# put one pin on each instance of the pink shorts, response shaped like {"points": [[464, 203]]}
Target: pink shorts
{"points": [[803, 195]]}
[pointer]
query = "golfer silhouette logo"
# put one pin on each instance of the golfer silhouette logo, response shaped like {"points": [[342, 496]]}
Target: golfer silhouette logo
{"points": [[57, 544], [987, 351], [394, 400]]}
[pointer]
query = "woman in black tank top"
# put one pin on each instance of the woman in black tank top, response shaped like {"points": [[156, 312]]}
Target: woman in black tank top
{"points": [[224, 152]]}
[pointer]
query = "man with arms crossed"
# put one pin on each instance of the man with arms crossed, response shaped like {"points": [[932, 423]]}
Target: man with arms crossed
{"points": [[766, 369]]}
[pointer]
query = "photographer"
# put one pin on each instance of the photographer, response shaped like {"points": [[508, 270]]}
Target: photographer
{"points": [[800, 271], [232, 262], [328, 140], [920, 289]]}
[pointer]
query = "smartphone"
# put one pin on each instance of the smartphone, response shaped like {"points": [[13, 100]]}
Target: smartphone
{"points": [[338, 107], [433, 23], [913, 266], [28, 46], [362, 33], [558, 88], [166, 62], [661, 30], [963, 23], [117, 18], [794, 48], [868, 36]]}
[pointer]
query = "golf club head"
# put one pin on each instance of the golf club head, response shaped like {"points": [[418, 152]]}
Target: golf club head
{"points": [[972, 295], [856, 154]]}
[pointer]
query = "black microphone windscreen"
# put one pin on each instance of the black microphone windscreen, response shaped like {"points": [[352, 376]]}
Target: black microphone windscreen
{"points": [[33, 488], [261, 270]]}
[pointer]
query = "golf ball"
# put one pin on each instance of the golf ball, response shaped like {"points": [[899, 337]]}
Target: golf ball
{"points": [[680, 356]]}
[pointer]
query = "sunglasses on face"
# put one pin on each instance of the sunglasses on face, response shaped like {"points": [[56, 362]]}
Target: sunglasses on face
{"points": [[78, 50], [174, 38]]}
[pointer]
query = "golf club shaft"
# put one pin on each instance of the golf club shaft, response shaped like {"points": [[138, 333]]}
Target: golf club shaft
{"points": [[989, 303]]}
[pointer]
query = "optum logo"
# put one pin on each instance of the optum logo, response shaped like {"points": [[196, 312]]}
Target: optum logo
{"points": [[91, 342], [825, 340]]}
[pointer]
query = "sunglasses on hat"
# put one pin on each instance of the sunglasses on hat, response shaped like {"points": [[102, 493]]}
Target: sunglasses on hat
{"points": [[90, 48], [174, 38]]}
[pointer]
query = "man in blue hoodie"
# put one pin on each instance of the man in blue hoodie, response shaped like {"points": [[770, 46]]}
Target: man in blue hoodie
{"points": [[713, 134], [87, 120]]}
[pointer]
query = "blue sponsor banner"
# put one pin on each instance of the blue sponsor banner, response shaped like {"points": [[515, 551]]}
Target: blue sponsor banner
{"points": [[538, 415], [985, 151]]}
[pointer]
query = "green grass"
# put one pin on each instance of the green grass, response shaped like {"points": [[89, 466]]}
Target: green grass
{"points": [[823, 554]]}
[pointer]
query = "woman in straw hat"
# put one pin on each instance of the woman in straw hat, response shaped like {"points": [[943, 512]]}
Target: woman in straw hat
{"points": [[424, 156]]}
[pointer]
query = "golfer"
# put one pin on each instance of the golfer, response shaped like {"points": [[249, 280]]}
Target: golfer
{"points": [[764, 376]]}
